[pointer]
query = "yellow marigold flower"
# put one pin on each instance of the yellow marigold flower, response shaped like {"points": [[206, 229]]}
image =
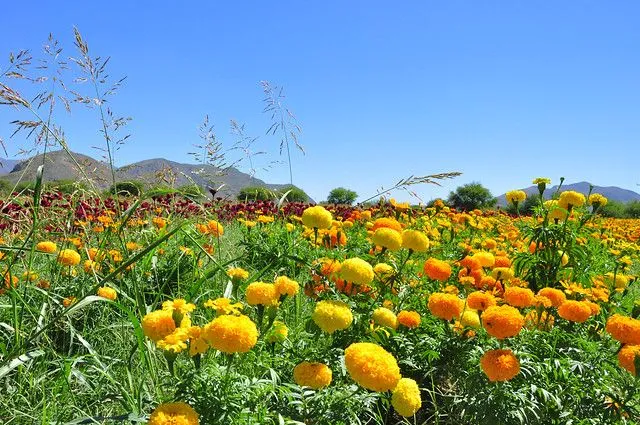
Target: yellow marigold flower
{"points": [[539, 320], [479, 300], [415, 240], [570, 199], [69, 301], [470, 318], [503, 321], [68, 257], [158, 324], [286, 286], [332, 316], [624, 329], [389, 223], [313, 375], [620, 281], [224, 306], [197, 344], [175, 342], [215, 228], [91, 266], [556, 212], [500, 365], [518, 297], [627, 357], [231, 334], [317, 217], [159, 222], [406, 397], [410, 319], [47, 246], [278, 332], [387, 238], [437, 269], [486, 259], [237, 273], [502, 273], [290, 227], [384, 317], [516, 196], [556, 296], [180, 305], [574, 311], [597, 200], [371, 366], [132, 246], [542, 180], [108, 293], [261, 293], [174, 414], [445, 306], [383, 270], [356, 271]]}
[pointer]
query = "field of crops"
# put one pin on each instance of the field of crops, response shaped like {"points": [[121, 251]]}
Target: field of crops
{"points": [[173, 312]]}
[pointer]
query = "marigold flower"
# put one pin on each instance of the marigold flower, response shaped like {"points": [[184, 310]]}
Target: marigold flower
{"points": [[237, 273], [415, 240], [332, 316], [224, 306], [261, 293], [480, 300], [174, 414], [179, 305], [471, 263], [387, 238], [597, 200], [231, 334], [286, 286], [445, 306], [69, 301], [371, 366], [574, 311], [437, 269], [158, 324], [485, 258], [317, 217], [519, 297], [516, 196], [556, 212], [278, 332], [570, 198], [502, 321], [627, 357], [384, 317], [470, 318], [502, 273], [47, 246], [68, 257], [389, 223], [108, 293], [556, 296], [406, 397], [356, 271], [313, 375], [500, 365], [383, 270], [197, 344], [175, 342], [410, 319], [624, 329], [215, 228]]}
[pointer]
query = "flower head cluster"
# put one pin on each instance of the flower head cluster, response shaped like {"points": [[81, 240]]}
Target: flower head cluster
{"points": [[261, 293], [174, 414], [406, 397], [231, 334], [224, 306], [317, 217], [384, 317], [445, 306], [437, 269], [356, 271], [332, 316], [516, 196], [387, 238], [502, 321], [371, 366], [574, 311], [500, 365], [313, 375], [415, 240], [409, 319], [624, 329]]}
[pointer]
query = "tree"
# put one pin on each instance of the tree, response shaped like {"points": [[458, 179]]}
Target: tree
{"points": [[341, 195], [471, 196], [613, 209], [132, 188], [632, 209], [526, 207], [255, 193], [296, 194]]}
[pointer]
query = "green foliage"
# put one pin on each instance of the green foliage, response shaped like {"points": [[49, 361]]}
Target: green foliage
{"points": [[341, 195], [256, 193], [130, 188], [192, 191], [632, 209], [471, 196], [5, 186], [296, 194], [527, 207], [613, 209]]}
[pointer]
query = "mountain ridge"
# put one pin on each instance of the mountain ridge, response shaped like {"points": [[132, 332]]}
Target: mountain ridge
{"points": [[613, 193]]}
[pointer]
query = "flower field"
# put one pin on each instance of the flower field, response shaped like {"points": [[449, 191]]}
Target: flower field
{"points": [[163, 310]]}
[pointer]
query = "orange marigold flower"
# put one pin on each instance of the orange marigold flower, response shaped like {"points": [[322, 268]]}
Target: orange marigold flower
{"points": [[68, 257], [410, 319], [503, 321], [108, 293], [574, 311], [519, 297], [386, 222], [471, 263], [486, 259], [47, 246], [371, 366], [556, 296], [627, 357], [231, 334], [624, 329], [437, 269], [500, 365], [313, 375], [174, 414], [502, 261], [445, 306], [158, 324], [479, 300]]}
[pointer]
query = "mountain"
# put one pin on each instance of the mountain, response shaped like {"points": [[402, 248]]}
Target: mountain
{"points": [[6, 165], [151, 172], [612, 193]]}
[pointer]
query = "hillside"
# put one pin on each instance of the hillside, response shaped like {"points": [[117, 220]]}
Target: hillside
{"points": [[6, 165], [613, 193], [151, 172]]}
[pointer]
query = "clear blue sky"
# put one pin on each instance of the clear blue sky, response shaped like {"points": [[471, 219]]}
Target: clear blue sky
{"points": [[503, 91]]}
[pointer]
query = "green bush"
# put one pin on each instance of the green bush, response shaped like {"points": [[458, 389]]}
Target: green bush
{"points": [[296, 194], [256, 193], [632, 209], [341, 195], [613, 209], [130, 188], [191, 191], [471, 196]]}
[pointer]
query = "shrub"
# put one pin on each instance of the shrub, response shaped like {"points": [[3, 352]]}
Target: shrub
{"points": [[255, 193], [130, 188], [471, 196], [296, 194], [341, 195]]}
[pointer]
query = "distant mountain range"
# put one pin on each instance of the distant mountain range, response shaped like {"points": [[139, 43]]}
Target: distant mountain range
{"points": [[58, 165], [612, 193]]}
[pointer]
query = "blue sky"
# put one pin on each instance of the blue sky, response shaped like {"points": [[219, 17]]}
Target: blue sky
{"points": [[503, 91]]}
